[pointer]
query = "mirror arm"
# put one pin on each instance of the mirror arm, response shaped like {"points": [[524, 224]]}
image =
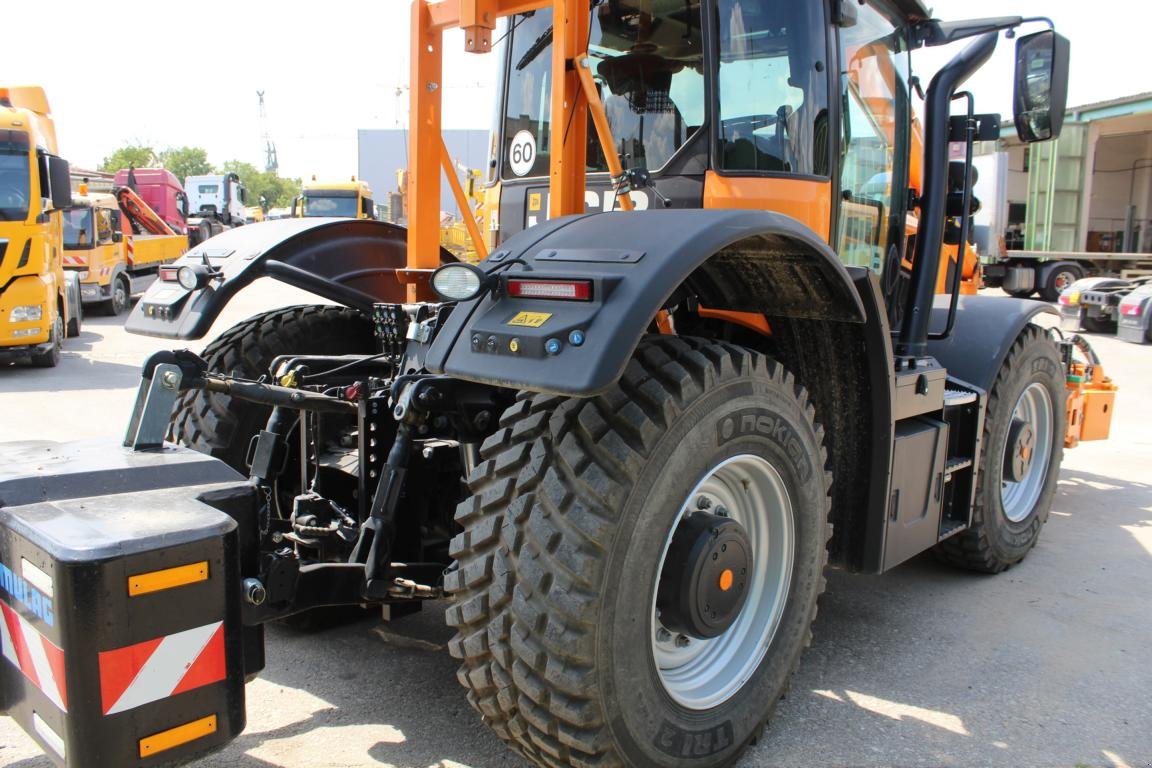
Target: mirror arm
{"points": [[935, 32]]}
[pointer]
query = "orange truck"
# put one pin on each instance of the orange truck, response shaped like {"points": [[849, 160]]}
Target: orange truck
{"points": [[39, 302]]}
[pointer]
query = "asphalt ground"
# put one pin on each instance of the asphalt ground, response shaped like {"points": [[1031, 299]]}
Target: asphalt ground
{"points": [[1048, 664]]}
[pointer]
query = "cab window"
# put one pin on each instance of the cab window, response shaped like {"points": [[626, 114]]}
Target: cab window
{"points": [[773, 87], [648, 64], [875, 114], [104, 225]]}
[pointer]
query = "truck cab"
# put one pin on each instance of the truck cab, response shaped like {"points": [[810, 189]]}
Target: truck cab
{"points": [[219, 196], [348, 199], [37, 305]]}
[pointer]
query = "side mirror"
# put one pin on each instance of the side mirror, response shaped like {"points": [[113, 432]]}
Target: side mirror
{"points": [[1041, 85], [60, 182]]}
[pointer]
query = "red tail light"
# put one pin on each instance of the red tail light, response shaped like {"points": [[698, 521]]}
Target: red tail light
{"points": [[169, 274], [565, 290], [1131, 310]]}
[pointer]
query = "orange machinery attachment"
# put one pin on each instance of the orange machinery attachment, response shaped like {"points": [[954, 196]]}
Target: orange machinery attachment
{"points": [[1091, 397], [478, 19], [141, 214]]}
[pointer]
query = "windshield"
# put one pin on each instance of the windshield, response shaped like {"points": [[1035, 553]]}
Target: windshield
{"points": [[648, 64], [78, 228], [14, 175], [330, 205]]}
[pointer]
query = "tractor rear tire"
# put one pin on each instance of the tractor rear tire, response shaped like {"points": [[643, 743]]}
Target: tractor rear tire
{"points": [[221, 426], [1007, 514], [575, 526]]}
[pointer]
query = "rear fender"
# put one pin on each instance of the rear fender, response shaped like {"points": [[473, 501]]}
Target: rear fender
{"points": [[986, 327], [740, 260], [356, 261]]}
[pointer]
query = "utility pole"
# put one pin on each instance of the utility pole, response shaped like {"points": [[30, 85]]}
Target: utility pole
{"points": [[270, 163]]}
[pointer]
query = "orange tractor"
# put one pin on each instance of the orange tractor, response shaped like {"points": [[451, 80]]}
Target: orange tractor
{"points": [[709, 355]]}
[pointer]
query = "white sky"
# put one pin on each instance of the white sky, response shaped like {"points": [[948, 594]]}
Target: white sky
{"points": [[158, 73]]}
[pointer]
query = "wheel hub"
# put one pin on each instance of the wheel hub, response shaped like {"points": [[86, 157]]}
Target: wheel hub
{"points": [[704, 579], [1021, 448]]}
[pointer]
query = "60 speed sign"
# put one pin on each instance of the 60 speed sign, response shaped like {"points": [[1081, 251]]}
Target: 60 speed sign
{"points": [[522, 153]]}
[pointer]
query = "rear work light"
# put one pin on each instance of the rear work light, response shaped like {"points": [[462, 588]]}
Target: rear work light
{"points": [[565, 290]]}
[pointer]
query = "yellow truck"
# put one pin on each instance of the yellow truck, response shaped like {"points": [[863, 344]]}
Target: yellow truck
{"points": [[115, 243], [39, 303], [348, 199]]}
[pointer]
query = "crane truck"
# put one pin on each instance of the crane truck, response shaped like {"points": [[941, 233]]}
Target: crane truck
{"points": [[624, 446], [39, 303], [116, 243]]}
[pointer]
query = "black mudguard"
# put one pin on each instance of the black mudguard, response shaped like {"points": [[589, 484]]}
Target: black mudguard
{"points": [[986, 327], [750, 261], [355, 261]]}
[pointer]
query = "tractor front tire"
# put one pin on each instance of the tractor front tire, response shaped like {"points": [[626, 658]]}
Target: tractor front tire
{"points": [[1020, 459], [222, 426], [638, 572]]}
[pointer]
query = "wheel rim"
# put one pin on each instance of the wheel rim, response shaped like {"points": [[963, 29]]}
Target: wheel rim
{"points": [[120, 297], [1063, 280], [703, 673], [1034, 407]]}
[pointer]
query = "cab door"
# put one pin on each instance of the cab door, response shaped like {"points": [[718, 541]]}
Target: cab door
{"points": [[875, 152], [772, 127]]}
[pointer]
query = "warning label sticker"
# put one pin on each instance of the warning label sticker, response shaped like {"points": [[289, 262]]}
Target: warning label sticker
{"points": [[530, 319]]}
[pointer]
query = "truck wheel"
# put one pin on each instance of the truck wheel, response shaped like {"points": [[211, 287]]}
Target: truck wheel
{"points": [[77, 319], [1097, 324], [51, 358], [222, 427], [1022, 449], [121, 299], [638, 572], [1058, 279]]}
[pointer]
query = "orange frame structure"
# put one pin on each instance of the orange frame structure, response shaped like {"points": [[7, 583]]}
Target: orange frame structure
{"points": [[425, 143]]}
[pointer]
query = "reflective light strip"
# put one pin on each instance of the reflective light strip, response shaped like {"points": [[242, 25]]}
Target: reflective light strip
{"points": [[572, 290], [37, 657], [36, 577], [174, 737], [45, 732], [169, 578], [155, 669]]}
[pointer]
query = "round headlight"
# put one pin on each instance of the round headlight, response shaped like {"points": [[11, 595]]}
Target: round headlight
{"points": [[187, 278], [458, 282]]}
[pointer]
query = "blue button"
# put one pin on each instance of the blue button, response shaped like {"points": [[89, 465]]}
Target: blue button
{"points": [[576, 338], [552, 346]]}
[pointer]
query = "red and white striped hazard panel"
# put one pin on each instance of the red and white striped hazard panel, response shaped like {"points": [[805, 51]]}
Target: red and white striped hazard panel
{"points": [[34, 655], [71, 260], [164, 666]]}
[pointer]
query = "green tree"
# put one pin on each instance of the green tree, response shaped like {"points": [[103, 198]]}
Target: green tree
{"points": [[131, 156], [186, 161], [277, 191]]}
